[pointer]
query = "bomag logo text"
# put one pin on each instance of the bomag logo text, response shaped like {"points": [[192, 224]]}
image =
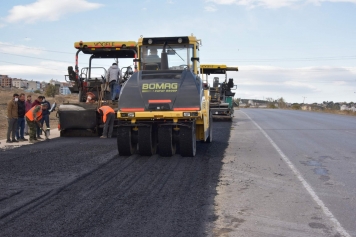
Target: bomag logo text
{"points": [[159, 87]]}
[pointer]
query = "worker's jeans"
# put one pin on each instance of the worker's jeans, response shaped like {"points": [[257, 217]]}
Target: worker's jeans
{"points": [[45, 119], [21, 128], [11, 130], [109, 124], [114, 88]]}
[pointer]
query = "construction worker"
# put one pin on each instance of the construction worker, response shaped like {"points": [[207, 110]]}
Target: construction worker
{"points": [[113, 78], [33, 118], [108, 118], [12, 117]]}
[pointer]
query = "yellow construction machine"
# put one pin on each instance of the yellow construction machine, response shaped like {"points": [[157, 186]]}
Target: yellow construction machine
{"points": [[164, 106], [222, 97]]}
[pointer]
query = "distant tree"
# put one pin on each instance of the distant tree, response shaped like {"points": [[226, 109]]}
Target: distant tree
{"points": [[296, 106], [336, 106], [281, 103], [50, 90], [271, 103], [38, 91]]}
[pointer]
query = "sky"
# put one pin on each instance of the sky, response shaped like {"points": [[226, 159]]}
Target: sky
{"points": [[301, 50]]}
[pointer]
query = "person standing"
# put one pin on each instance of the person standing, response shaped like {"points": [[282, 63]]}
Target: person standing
{"points": [[38, 101], [21, 118], [45, 113], [113, 78], [12, 116], [28, 106], [108, 115], [33, 117]]}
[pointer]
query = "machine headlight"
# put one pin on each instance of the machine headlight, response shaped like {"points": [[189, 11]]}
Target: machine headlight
{"points": [[186, 114], [131, 115]]}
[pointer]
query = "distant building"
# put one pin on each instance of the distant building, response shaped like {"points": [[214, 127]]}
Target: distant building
{"points": [[33, 85], [64, 88], [5, 81], [19, 83], [55, 82]]}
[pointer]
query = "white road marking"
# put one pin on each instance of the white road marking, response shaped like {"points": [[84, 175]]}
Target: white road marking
{"points": [[306, 185]]}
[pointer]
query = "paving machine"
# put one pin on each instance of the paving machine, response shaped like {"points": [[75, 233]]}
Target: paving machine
{"points": [[222, 97], [82, 118], [164, 106]]}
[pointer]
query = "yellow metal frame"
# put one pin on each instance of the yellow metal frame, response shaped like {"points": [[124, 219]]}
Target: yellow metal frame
{"points": [[115, 45]]}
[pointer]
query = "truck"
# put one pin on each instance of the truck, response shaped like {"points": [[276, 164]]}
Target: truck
{"points": [[81, 118], [164, 106], [222, 97]]}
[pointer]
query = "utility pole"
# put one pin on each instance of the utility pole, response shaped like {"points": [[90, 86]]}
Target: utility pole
{"points": [[304, 99]]}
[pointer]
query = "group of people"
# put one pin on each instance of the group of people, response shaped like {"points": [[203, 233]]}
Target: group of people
{"points": [[26, 118]]}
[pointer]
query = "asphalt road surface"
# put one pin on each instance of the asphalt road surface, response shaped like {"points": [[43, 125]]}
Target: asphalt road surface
{"points": [[268, 173], [81, 187], [288, 173]]}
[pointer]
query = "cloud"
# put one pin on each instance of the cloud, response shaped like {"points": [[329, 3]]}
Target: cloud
{"points": [[210, 9], [48, 10], [275, 3], [18, 49], [41, 71]]}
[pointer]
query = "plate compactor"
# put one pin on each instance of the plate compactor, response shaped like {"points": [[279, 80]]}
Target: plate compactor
{"points": [[164, 106]]}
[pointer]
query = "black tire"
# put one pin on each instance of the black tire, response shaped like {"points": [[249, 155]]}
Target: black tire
{"points": [[166, 145], [125, 145], [187, 140], [210, 137], [80, 95], [147, 141]]}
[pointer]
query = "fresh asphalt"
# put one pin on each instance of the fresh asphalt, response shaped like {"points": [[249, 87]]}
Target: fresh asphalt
{"points": [[240, 185], [82, 187]]}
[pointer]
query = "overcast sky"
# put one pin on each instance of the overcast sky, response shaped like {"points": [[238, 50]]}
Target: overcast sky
{"points": [[298, 50]]}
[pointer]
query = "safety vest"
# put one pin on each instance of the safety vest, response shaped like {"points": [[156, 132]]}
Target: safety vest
{"points": [[106, 110], [29, 114]]}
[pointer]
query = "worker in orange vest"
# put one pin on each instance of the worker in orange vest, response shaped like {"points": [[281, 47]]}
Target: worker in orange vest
{"points": [[33, 118], [108, 118]]}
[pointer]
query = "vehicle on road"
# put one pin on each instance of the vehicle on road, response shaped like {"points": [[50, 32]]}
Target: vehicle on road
{"points": [[164, 106], [82, 118], [222, 97]]}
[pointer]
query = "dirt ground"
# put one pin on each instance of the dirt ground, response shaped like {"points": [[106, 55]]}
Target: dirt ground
{"points": [[6, 95]]}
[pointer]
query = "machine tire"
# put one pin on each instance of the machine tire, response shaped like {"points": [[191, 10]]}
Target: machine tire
{"points": [[166, 145], [147, 142], [187, 141], [210, 138], [125, 145], [80, 95]]}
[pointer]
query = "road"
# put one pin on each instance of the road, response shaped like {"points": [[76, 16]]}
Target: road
{"points": [[81, 187], [288, 173], [268, 173]]}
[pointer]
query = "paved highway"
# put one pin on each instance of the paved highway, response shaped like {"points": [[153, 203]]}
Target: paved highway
{"points": [[268, 173], [288, 173]]}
